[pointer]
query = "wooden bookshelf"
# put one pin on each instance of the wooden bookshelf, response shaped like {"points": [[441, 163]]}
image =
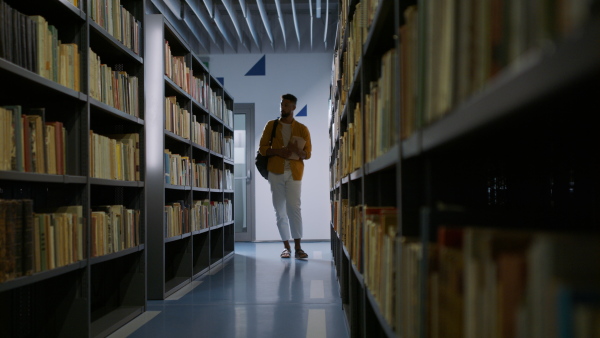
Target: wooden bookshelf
{"points": [[197, 232], [72, 294], [487, 155]]}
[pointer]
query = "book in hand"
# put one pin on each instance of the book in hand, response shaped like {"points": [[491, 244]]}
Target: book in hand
{"points": [[300, 142]]}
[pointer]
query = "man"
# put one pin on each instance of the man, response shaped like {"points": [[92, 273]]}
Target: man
{"points": [[290, 147]]}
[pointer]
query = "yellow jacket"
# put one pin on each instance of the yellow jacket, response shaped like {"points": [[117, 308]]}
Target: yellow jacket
{"points": [[276, 163]]}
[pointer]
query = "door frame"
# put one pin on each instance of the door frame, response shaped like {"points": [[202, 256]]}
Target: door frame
{"points": [[247, 109]]}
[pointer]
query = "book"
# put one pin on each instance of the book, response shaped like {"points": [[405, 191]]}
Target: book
{"points": [[27, 164], [42, 50], [131, 153], [557, 263], [75, 242], [17, 142], [28, 238], [5, 138], [37, 137], [13, 259], [56, 146], [94, 247], [50, 222], [42, 253], [50, 148], [111, 223]]}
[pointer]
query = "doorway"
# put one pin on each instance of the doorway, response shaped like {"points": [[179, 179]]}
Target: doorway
{"points": [[244, 153]]}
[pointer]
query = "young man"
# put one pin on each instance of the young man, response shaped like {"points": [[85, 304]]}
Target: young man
{"points": [[290, 147]]}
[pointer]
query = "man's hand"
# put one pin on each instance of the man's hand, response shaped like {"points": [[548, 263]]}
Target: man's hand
{"points": [[281, 152], [284, 152]]}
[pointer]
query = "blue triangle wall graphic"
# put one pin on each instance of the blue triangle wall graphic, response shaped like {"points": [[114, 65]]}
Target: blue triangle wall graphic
{"points": [[222, 80], [258, 69], [303, 111]]}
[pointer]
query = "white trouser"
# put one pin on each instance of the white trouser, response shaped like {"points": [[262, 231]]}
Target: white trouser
{"points": [[286, 201]]}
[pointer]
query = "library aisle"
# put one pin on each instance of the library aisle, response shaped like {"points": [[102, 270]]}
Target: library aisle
{"points": [[254, 294]]}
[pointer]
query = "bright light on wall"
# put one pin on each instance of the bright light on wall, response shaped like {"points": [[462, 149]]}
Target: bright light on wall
{"points": [[318, 9], [154, 94]]}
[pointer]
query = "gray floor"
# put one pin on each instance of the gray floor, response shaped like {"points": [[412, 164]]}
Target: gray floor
{"points": [[255, 294]]}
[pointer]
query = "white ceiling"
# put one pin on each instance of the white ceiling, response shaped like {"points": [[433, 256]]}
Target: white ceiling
{"points": [[257, 26]]}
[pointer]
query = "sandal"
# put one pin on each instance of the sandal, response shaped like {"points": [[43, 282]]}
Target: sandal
{"points": [[285, 253], [301, 254]]}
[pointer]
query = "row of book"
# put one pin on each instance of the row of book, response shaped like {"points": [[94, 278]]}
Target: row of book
{"points": [[350, 153], [334, 172], [228, 146], [337, 95], [199, 88], [176, 219], [16, 239], [32, 242], [180, 170], [30, 144], [379, 109], [357, 35], [366, 9], [479, 282], [181, 219], [176, 69], [221, 144], [32, 43], [199, 132], [380, 225], [349, 52], [216, 141], [227, 211], [221, 212], [452, 49], [489, 282], [113, 228], [227, 116], [177, 118], [199, 174], [379, 120], [118, 22], [369, 236], [177, 168], [218, 106], [115, 156], [228, 179], [200, 214], [35, 242], [465, 44], [114, 86], [216, 178]]}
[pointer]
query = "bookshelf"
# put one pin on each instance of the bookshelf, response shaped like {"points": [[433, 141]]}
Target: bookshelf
{"points": [[190, 228], [66, 283], [489, 164]]}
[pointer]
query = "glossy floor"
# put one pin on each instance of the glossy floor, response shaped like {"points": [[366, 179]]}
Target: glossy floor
{"points": [[254, 294]]}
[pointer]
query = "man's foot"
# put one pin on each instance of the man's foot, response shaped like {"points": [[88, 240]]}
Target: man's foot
{"points": [[301, 254], [286, 253]]}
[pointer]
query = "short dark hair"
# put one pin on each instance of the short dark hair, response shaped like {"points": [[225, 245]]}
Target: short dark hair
{"points": [[289, 97]]}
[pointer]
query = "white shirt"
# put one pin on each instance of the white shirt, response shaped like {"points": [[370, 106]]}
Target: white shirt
{"points": [[286, 132]]}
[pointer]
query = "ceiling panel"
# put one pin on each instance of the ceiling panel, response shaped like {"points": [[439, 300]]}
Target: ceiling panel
{"points": [[257, 26]]}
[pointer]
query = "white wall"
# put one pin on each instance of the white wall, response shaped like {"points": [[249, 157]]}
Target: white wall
{"points": [[307, 76]]}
